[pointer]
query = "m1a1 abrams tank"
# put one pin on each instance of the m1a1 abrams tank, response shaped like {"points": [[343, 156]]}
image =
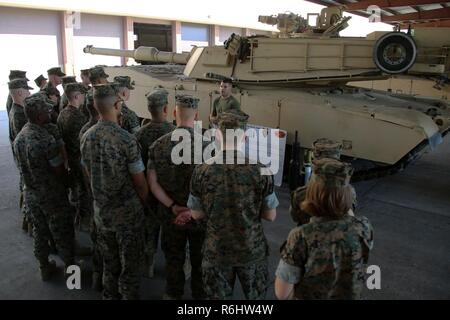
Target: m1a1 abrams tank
{"points": [[296, 81]]}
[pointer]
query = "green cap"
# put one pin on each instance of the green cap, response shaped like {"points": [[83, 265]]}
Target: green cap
{"points": [[326, 148], [332, 172], [105, 90], [19, 84], [17, 74], [39, 80], [56, 71], [97, 73], [157, 98], [124, 82], [186, 101], [68, 79], [74, 87]]}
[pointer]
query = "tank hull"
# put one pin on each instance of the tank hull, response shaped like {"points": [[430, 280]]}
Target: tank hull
{"points": [[372, 125]]}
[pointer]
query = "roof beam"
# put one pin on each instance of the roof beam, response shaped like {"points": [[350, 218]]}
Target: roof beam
{"points": [[364, 4], [443, 13], [440, 23]]}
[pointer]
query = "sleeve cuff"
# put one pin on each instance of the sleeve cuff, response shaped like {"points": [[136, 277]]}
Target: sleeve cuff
{"points": [[194, 203], [288, 273], [56, 161], [136, 167], [271, 201]]}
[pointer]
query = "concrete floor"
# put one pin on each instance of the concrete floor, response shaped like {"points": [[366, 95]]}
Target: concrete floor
{"points": [[410, 213]]}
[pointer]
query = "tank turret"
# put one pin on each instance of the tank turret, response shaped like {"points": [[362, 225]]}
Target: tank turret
{"points": [[297, 81]]}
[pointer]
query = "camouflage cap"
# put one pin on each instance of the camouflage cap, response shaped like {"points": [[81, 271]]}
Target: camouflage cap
{"points": [[97, 73], [46, 98], [232, 119], [74, 87], [17, 74], [39, 101], [332, 172], [124, 82], [19, 84], [157, 98], [326, 148], [84, 72], [186, 101], [105, 90], [68, 79], [56, 71], [50, 90], [39, 80]]}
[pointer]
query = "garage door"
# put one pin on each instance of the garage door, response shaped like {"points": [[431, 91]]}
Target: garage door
{"points": [[31, 41]]}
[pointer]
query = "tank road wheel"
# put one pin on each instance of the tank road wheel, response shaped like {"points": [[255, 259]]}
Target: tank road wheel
{"points": [[395, 52]]}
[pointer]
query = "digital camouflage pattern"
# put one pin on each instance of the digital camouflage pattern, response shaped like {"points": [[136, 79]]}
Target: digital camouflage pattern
{"points": [[235, 243], [17, 120], [332, 173], [175, 180], [45, 195], [14, 74], [329, 256], [173, 244], [234, 230], [254, 279], [151, 132], [130, 121], [221, 104], [326, 148], [87, 126], [111, 155], [121, 252], [146, 136], [70, 121]]}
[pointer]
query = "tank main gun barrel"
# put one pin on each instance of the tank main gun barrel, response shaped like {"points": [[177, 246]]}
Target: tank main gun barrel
{"points": [[143, 54]]}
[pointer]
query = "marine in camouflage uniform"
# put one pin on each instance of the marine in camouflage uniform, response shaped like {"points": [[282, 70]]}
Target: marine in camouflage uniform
{"points": [[17, 121], [38, 155], [64, 101], [97, 260], [325, 258], [232, 198], [54, 80], [41, 82], [14, 74], [130, 120], [175, 179], [70, 121], [157, 105], [110, 156], [322, 148]]}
